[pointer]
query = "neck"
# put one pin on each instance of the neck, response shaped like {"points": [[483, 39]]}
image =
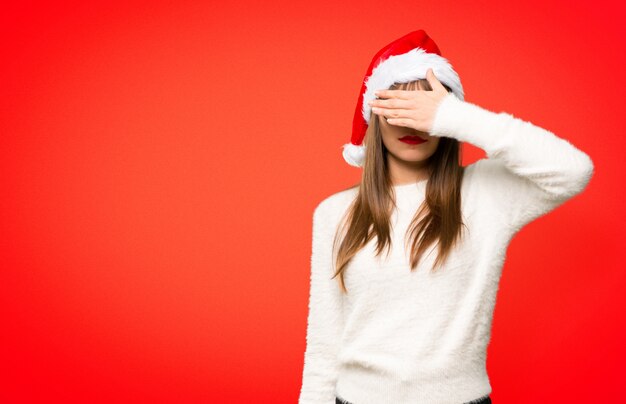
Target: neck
{"points": [[407, 172]]}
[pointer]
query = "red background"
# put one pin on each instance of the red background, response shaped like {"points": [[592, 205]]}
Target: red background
{"points": [[160, 163]]}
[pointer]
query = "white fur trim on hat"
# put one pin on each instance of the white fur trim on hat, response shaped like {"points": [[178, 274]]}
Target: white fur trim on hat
{"points": [[407, 67]]}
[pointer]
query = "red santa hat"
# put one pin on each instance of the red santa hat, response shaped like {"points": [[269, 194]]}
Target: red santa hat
{"points": [[403, 60]]}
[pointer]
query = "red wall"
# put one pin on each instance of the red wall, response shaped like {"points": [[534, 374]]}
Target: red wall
{"points": [[160, 162]]}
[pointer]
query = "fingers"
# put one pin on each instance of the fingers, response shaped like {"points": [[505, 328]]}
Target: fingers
{"points": [[433, 80], [392, 103], [399, 122], [392, 113], [399, 94]]}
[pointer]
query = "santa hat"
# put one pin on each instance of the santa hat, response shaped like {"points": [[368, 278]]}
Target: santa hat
{"points": [[403, 60]]}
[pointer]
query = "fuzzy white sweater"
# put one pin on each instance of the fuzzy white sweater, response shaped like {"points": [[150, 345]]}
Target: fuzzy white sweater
{"points": [[402, 336]]}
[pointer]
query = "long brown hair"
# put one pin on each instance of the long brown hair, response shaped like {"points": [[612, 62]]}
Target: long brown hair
{"points": [[438, 218]]}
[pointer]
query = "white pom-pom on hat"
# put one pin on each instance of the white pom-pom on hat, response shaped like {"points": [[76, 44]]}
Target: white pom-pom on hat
{"points": [[354, 154]]}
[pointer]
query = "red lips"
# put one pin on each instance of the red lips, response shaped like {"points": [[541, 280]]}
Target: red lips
{"points": [[412, 139]]}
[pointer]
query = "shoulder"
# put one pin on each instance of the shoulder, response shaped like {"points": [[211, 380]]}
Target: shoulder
{"points": [[488, 184], [503, 196], [333, 206], [485, 166], [491, 173]]}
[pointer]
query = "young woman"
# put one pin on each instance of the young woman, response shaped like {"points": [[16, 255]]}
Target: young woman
{"points": [[405, 265]]}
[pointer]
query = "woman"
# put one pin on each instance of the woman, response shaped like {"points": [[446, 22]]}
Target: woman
{"points": [[413, 325]]}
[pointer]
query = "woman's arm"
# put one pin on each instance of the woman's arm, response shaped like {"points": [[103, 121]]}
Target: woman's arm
{"points": [[324, 320], [529, 171]]}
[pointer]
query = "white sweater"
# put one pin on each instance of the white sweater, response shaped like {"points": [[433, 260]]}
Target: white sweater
{"points": [[402, 336]]}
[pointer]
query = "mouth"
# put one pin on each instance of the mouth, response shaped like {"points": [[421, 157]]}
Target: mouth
{"points": [[412, 139]]}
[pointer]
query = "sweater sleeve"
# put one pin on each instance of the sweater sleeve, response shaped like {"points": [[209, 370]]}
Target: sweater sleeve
{"points": [[528, 172], [325, 323]]}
